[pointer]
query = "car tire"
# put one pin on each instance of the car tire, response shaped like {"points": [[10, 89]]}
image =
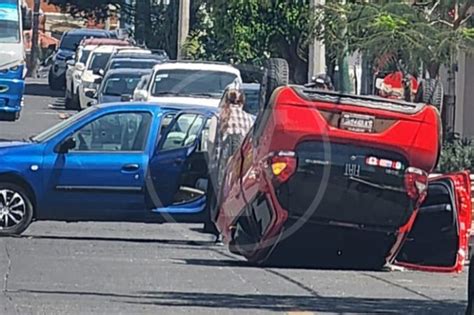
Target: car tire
{"points": [[53, 83], [17, 206], [276, 75]]}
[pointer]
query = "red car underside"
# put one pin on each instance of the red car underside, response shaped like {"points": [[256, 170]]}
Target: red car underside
{"points": [[325, 179]]}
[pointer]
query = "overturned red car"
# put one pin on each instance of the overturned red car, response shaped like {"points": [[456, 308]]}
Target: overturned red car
{"points": [[338, 181]]}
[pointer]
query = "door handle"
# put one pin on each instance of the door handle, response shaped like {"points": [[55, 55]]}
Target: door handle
{"points": [[130, 167], [179, 161]]}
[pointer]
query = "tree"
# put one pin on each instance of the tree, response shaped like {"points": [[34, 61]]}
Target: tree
{"points": [[246, 31]]}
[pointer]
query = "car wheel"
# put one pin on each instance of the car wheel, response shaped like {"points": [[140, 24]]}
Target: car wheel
{"points": [[276, 75], [54, 84], [16, 209]]}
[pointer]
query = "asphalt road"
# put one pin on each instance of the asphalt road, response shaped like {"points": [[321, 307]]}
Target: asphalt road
{"points": [[101, 268]]}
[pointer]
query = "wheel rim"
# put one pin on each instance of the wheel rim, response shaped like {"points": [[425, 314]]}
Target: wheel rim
{"points": [[12, 209]]}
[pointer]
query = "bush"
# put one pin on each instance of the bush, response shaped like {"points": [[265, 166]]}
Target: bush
{"points": [[456, 155]]}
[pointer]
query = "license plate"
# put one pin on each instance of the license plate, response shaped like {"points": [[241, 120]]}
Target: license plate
{"points": [[356, 122]]}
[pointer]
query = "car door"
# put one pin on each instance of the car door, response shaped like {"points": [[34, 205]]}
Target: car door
{"points": [[175, 163], [438, 240], [103, 176]]}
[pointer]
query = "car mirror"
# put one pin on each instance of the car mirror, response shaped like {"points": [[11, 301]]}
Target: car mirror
{"points": [[101, 72], [126, 98], [70, 62], [67, 145], [92, 103], [96, 71], [90, 94], [80, 66], [141, 95]]}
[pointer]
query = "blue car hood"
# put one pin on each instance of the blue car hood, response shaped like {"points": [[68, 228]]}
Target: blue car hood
{"points": [[10, 144]]}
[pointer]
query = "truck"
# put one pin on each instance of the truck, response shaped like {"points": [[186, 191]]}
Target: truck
{"points": [[14, 18]]}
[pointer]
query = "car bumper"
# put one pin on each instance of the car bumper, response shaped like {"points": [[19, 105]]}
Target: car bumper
{"points": [[83, 99], [11, 99]]}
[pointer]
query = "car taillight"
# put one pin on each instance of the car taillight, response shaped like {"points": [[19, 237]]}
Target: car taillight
{"points": [[282, 165], [416, 184]]}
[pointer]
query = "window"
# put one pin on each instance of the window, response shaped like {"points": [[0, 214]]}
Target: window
{"points": [[85, 56], [99, 61], [191, 82], [114, 132], [183, 132], [121, 84], [9, 22]]}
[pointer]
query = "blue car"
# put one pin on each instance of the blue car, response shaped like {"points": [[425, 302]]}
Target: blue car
{"points": [[132, 162]]}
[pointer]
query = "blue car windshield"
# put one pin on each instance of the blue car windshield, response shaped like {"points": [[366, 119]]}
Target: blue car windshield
{"points": [[56, 129]]}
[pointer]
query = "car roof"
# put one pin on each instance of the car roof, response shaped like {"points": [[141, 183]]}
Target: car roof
{"points": [[128, 70], [157, 107], [138, 56], [104, 41], [184, 65]]}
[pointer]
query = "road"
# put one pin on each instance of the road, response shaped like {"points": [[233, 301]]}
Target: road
{"points": [[118, 268]]}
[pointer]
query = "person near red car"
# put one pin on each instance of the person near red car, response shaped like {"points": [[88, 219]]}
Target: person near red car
{"points": [[394, 85]]}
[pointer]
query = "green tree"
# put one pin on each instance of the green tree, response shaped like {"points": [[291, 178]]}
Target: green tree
{"points": [[246, 31]]}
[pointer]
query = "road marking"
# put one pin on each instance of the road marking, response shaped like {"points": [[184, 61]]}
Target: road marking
{"points": [[46, 113], [301, 313]]}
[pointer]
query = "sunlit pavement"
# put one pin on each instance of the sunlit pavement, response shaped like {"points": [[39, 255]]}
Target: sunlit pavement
{"points": [[117, 268]]}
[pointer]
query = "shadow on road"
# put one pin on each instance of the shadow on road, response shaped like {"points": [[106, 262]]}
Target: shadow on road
{"points": [[41, 89], [271, 302], [119, 239]]}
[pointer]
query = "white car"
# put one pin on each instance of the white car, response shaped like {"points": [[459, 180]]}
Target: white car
{"points": [[185, 81], [94, 66], [75, 69]]}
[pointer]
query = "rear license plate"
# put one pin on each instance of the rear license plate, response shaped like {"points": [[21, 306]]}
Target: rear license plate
{"points": [[356, 122]]}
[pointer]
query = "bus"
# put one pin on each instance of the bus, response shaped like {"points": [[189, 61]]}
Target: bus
{"points": [[14, 18]]}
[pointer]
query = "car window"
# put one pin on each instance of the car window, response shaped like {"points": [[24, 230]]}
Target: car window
{"points": [[132, 64], [189, 82], [183, 132], [84, 56], [114, 132], [99, 61], [121, 84]]}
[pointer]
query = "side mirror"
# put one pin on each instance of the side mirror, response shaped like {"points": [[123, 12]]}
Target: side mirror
{"points": [[141, 95], [126, 98], [101, 72], [96, 71], [90, 94], [67, 145], [71, 62], [92, 103], [80, 66]]}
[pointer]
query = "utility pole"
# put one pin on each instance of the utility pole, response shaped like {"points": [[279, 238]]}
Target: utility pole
{"points": [[34, 39], [317, 50], [183, 25]]}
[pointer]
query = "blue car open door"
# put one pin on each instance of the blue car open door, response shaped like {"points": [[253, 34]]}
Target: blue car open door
{"points": [[178, 176]]}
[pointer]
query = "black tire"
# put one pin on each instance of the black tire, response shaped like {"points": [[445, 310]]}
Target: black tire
{"points": [[276, 74], [26, 209], [54, 83], [10, 116]]}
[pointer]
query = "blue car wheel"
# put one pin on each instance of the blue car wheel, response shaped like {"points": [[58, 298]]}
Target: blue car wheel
{"points": [[16, 209]]}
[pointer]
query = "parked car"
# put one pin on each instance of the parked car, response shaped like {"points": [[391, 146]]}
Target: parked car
{"points": [[76, 67], [67, 47], [135, 63], [342, 181], [91, 78], [187, 81], [118, 85], [115, 162]]}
